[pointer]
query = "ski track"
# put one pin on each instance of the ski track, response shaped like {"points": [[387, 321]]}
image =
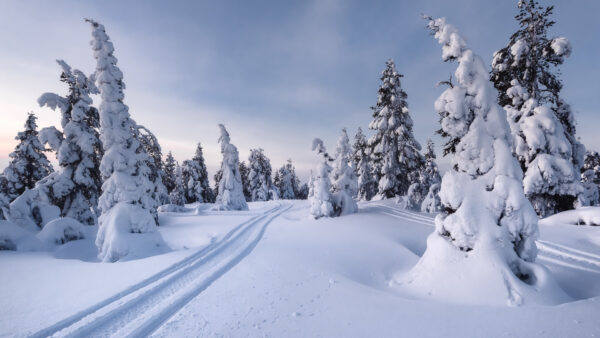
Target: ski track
{"points": [[551, 252], [142, 308]]}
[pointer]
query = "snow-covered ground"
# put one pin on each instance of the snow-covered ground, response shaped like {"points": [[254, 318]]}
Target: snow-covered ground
{"points": [[272, 271]]}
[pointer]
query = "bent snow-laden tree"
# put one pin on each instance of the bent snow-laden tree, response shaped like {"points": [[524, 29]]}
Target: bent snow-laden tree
{"points": [[28, 162], [319, 197], [344, 181], [367, 186], [483, 246], [260, 183], [231, 195], [525, 74], [75, 187], [126, 222]]}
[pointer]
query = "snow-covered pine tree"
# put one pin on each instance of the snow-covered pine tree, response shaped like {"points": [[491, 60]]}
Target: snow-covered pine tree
{"points": [[127, 191], [303, 191], [320, 197], [231, 195], [195, 179], [28, 162], [592, 162], [75, 187], [430, 176], [170, 175], [286, 181], [383, 145], [590, 195], [367, 186], [344, 181], [260, 182], [244, 172], [177, 195], [488, 225], [526, 76], [149, 144]]}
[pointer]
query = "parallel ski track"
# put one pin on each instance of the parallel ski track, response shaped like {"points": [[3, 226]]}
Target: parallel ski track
{"points": [[140, 309], [550, 252]]}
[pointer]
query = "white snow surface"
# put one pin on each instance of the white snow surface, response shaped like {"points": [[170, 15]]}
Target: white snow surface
{"points": [[273, 271]]}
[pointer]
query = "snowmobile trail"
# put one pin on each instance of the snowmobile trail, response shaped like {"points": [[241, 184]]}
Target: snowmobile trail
{"points": [[550, 252], [142, 308]]}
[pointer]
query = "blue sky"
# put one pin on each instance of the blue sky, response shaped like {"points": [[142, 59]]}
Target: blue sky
{"points": [[276, 73]]}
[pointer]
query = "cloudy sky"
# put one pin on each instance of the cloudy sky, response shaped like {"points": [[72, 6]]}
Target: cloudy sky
{"points": [[276, 73]]}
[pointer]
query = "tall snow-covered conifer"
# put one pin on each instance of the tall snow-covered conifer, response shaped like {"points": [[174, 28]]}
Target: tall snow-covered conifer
{"points": [[287, 182], [344, 181], [231, 195], [488, 225], [28, 162], [75, 187], [127, 191], [244, 172], [367, 186], [524, 72], [195, 179], [391, 102], [177, 195], [170, 177], [260, 183]]}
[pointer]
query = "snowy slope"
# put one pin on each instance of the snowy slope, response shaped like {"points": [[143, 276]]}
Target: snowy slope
{"points": [[272, 271]]}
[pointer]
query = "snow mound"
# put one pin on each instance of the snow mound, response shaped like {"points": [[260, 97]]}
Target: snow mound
{"points": [[581, 216], [479, 277], [128, 232], [15, 238], [61, 231], [30, 212]]}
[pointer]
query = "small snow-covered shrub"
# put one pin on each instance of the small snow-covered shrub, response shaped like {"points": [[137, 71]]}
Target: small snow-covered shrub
{"points": [[414, 196], [172, 208], [61, 231], [15, 238]]}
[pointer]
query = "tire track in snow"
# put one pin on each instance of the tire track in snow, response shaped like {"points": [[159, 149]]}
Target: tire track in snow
{"points": [[161, 285], [548, 251]]}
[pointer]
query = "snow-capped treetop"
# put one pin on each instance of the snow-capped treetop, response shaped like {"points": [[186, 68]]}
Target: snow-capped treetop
{"points": [[224, 138], [483, 192], [28, 162]]}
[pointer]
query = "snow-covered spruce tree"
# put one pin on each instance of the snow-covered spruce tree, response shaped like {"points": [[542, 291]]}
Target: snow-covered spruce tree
{"points": [[75, 187], [303, 191], [590, 195], [170, 174], [483, 247], [177, 195], [391, 102], [149, 144], [4, 201], [344, 181], [590, 173], [526, 76], [320, 198], [260, 182], [28, 162], [430, 176], [244, 172], [367, 186], [195, 179], [127, 191], [287, 182], [231, 195]]}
